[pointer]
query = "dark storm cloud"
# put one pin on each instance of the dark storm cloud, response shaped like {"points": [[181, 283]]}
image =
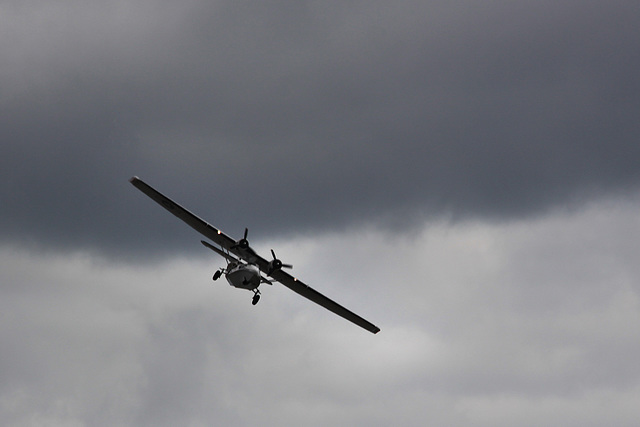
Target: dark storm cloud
{"points": [[316, 113]]}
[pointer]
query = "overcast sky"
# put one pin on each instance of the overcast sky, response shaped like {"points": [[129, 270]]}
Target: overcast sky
{"points": [[465, 175]]}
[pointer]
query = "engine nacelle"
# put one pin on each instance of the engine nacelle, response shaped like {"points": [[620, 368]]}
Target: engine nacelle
{"points": [[275, 264], [243, 244]]}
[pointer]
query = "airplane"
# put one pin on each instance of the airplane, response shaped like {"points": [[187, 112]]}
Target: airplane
{"points": [[245, 268]]}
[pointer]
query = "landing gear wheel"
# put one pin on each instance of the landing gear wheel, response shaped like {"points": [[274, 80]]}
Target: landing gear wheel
{"points": [[255, 299], [217, 275]]}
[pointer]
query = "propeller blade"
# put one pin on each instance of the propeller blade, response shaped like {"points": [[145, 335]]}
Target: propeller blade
{"points": [[242, 243], [277, 263]]}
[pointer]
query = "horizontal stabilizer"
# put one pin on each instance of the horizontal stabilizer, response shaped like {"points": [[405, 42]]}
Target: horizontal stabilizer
{"points": [[219, 252]]}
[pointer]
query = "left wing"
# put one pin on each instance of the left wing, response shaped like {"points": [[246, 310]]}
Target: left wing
{"points": [[231, 245], [192, 220]]}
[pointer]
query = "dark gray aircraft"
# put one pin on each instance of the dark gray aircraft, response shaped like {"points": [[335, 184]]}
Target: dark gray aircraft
{"points": [[244, 266]]}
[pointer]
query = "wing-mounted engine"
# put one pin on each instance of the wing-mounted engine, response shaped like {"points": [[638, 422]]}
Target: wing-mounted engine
{"points": [[242, 243], [275, 264], [243, 250]]}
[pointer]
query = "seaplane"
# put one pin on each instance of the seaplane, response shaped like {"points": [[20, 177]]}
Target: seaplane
{"points": [[246, 269]]}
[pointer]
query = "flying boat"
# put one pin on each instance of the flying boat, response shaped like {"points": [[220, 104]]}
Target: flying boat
{"points": [[246, 269]]}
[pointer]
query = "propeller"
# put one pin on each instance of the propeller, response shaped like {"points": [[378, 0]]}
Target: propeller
{"points": [[276, 264], [242, 243]]}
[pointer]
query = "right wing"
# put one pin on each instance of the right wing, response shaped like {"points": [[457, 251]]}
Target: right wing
{"points": [[308, 292]]}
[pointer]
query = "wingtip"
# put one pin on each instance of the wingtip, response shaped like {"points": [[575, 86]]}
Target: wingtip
{"points": [[133, 179]]}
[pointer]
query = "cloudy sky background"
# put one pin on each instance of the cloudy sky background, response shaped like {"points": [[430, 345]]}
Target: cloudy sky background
{"points": [[465, 175]]}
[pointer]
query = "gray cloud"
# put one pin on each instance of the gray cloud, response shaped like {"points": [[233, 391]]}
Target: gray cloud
{"points": [[463, 174], [320, 115], [527, 323]]}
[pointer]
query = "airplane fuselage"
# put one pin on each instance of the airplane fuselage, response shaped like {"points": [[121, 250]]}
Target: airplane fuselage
{"points": [[243, 276]]}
